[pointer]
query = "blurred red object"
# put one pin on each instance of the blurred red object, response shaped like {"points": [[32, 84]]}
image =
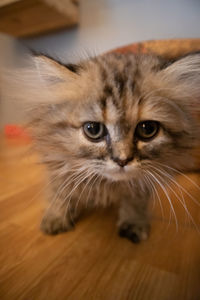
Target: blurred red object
{"points": [[16, 131]]}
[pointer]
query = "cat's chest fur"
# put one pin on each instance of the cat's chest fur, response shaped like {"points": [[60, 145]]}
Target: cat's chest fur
{"points": [[92, 192]]}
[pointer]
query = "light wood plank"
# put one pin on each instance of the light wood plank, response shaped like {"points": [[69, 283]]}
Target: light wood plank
{"points": [[91, 262]]}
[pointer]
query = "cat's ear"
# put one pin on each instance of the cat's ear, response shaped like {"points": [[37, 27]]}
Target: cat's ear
{"points": [[185, 69], [182, 80], [40, 80], [52, 72]]}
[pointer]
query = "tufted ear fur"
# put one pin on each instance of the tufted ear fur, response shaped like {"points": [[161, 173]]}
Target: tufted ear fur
{"points": [[52, 72], [183, 79], [40, 80]]}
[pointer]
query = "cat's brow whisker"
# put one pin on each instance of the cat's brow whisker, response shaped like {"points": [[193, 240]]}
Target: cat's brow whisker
{"points": [[167, 195]]}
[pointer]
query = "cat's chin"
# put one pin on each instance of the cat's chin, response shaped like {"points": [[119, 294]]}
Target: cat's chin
{"points": [[118, 175]]}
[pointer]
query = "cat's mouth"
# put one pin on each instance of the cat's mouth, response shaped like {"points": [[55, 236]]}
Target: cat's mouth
{"points": [[120, 173]]}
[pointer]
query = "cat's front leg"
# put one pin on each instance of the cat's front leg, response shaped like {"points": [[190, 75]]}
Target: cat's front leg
{"points": [[133, 222], [55, 221], [58, 217]]}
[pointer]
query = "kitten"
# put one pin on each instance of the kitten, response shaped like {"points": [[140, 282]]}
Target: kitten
{"points": [[111, 129]]}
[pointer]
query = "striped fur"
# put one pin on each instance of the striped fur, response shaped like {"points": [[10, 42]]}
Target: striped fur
{"points": [[119, 91]]}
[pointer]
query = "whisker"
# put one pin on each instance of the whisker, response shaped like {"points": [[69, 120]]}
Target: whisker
{"points": [[92, 184], [69, 196], [155, 191], [149, 185], [167, 195], [58, 194], [84, 188], [68, 181], [183, 203], [181, 187], [182, 174]]}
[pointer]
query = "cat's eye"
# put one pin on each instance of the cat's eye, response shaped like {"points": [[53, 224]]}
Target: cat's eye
{"points": [[146, 130], [94, 130]]}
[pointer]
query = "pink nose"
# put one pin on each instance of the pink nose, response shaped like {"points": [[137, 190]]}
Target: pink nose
{"points": [[122, 162]]}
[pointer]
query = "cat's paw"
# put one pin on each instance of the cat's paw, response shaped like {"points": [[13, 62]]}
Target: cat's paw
{"points": [[54, 225], [134, 232]]}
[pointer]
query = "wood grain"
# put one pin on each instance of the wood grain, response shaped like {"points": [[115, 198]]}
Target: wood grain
{"points": [[26, 18], [91, 262]]}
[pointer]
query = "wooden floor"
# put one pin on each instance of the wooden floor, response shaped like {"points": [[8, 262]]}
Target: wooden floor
{"points": [[91, 262]]}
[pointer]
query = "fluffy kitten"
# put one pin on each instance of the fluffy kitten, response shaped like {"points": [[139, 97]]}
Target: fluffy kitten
{"points": [[109, 131]]}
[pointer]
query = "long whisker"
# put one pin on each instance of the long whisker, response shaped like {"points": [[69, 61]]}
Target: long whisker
{"points": [[69, 196], [58, 194], [181, 187], [47, 185], [182, 174], [182, 203], [82, 171], [91, 187], [155, 192], [68, 181], [150, 185], [84, 188], [167, 195]]}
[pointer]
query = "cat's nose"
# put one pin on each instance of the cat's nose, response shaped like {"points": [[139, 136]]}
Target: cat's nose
{"points": [[122, 162]]}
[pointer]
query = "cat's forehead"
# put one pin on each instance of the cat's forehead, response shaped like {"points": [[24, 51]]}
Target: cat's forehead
{"points": [[112, 85], [109, 88]]}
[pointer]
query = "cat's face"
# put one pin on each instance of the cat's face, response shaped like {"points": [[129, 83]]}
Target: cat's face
{"points": [[116, 115]]}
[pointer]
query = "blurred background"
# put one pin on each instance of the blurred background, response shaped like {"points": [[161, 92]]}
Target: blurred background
{"points": [[72, 30]]}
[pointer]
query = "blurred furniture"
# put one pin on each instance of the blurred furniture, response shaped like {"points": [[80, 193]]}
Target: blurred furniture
{"points": [[169, 49], [32, 17]]}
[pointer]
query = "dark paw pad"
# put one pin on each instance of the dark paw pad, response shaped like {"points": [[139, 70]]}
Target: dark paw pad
{"points": [[126, 231]]}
